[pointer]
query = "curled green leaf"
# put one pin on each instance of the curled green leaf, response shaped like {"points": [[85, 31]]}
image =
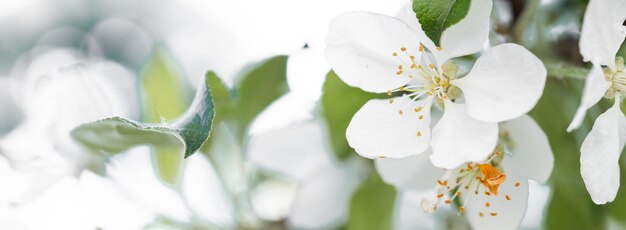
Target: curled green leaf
{"points": [[186, 134]]}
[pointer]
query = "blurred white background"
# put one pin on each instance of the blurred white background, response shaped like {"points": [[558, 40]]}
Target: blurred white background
{"points": [[42, 184]]}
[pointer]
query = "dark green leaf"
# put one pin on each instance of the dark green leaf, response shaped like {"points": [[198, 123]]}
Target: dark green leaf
{"points": [[339, 103], [224, 105], [372, 205], [436, 16]]}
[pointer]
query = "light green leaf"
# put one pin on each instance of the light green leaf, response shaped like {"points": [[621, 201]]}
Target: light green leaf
{"points": [[164, 98], [372, 205], [339, 104], [186, 134], [263, 84], [436, 16]]}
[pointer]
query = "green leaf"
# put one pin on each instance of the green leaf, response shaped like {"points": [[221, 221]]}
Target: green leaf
{"points": [[224, 105], [372, 205], [164, 98], [186, 134], [571, 200], [339, 104], [436, 16], [258, 88]]}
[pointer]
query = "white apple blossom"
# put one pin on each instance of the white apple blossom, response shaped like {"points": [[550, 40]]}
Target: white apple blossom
{"points": [[602, 35], [299, 151], [56, 91], [492, 194], [381, 54]]}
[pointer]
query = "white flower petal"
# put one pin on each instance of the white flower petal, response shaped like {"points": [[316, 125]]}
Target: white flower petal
{"points": [[508, 212], [459, 138], [602, 31], [12, 114], [133, 173], [284, 111], [407, 15], [413, 172], [506, 82], [204, 193], [409, 215], [322, 200], [380, 129], [296, 150], [306, 72], [360, 48], [531, 148], [468, 35], [271, 199], [600, 153], [538, 201], [595, 87]]}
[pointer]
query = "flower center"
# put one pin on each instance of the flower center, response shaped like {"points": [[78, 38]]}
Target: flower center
{"points": [[479, 178], [617, 78], [427, 79]]}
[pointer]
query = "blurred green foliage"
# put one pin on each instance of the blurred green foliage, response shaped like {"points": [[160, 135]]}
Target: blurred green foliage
{"points": [[372, 206], [570, 200], [339, 103], [255, 88], [165, 96], [258, 88]]}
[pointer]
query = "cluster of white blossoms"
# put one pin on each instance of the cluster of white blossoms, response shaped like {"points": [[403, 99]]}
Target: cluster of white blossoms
{"points": [[483, 146], [602, 35]]}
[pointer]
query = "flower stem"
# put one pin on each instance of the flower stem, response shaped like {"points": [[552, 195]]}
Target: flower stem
{"points": [[525, 18], [562, 70]]}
